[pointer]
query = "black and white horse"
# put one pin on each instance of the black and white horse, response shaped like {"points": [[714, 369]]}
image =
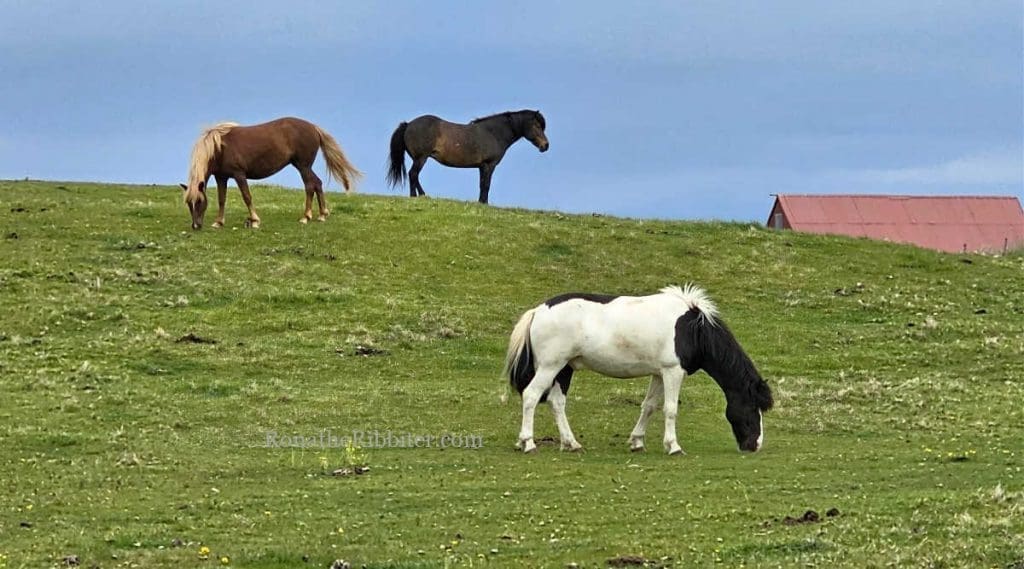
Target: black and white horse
{"points": [[666, 335]]}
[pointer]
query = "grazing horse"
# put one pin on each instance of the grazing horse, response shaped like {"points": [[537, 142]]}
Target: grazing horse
{"points": [[666, 335], [479, 144], [227, 150]]}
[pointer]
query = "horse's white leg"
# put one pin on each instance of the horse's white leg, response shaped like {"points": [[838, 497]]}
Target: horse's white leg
{"points": [[673, 380], [649, 406], [557, 400], [542, 381]]}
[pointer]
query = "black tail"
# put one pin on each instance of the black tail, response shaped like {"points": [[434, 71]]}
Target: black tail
{"points": [[396, 164], [519, 361], [522, 371]]}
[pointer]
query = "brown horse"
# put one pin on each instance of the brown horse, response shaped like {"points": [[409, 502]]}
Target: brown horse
{"points": [[227, 150], [479, 144]]}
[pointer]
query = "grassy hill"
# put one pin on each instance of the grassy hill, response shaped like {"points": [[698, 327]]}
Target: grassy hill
{"points": [[130, 439]]}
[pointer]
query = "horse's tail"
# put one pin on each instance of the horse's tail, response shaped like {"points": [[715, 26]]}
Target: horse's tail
{"points": [[338, 166], [396, 164], [205, 151], [519, 365]]}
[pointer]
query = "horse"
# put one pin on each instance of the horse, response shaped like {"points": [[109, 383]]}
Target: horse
{"points": [[668, 336], [228, 150], [480, 144]]}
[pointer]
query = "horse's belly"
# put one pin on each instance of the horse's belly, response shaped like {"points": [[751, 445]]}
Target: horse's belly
{"points": [[614, 367], [456, 160]]}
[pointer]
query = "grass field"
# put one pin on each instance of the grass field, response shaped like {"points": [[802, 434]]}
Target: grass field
{"points": [[129, 441]]}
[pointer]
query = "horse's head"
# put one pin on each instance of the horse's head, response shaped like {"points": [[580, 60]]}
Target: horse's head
{"points": [[532, 127], [195, 198], [743, 409]]}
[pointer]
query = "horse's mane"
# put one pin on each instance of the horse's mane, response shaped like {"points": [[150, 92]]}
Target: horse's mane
{"points": [[695, 297], [209, 143], [499, 115], [721, 356]]}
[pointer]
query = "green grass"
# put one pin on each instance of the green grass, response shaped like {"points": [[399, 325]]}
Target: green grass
{"points": [[898, 372]]}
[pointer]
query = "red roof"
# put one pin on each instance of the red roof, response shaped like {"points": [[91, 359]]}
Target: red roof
{"points": [[946, 223]]}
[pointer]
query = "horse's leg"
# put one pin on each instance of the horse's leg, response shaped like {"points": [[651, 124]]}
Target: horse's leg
{"points": [[321, 200], [222, 197], [557, 399], [309, 180], [486, 170], [673, 380], [542, 381], [307, 214], [415, 188], [243, 186], [649, 406]]}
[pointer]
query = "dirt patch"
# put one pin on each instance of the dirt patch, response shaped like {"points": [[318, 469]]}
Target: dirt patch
{"points": [[192, 338], [632, 561], [809, 517], [365, 350], [12, 235], [355, 471]]}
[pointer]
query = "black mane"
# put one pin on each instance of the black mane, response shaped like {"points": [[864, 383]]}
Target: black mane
{"points": [[503, 114], [709, 345]]}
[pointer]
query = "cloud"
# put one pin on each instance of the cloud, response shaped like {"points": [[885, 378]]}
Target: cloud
{"points": [[1001, 167]]}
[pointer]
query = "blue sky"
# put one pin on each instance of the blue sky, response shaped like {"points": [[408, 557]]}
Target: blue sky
{"points": [[655, 109]]}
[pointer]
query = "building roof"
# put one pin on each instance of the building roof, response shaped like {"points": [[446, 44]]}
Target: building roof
{"points": [[945, 223]]}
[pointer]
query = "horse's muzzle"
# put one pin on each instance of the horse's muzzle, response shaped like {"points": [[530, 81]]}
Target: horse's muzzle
{"points": [[544, 147], [752, 444]]}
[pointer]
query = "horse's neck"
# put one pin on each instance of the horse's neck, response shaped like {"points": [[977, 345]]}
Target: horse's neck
{"points": [[503, 130]]}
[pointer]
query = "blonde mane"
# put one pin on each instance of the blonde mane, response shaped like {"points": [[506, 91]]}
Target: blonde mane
{"points": [[695, 297], [203, 152]]}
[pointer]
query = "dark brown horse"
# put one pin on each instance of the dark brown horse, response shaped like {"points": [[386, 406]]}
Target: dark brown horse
{"points": [[228, 150], [479, 144]]}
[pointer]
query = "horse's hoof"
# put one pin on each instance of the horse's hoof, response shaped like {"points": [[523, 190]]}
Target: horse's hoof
{"points": [[529, 447], [303, 220], [572, 448], [676, 452], [217, 224], [640, 448], [252, 224], [322, 218]]}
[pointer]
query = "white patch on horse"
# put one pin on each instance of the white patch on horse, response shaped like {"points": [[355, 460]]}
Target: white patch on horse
{"points": [[760, 435], [623, 337]]}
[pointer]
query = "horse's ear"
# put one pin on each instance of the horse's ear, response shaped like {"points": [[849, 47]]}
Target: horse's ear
{"points": [[183, 186]]}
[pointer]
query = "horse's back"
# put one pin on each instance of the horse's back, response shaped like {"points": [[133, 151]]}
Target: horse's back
{"points": [[452, 144], [292, 128], [626, 336], [262, 149]]}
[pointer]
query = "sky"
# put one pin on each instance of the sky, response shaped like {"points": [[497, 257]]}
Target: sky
{"points": [[667, 109]]}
